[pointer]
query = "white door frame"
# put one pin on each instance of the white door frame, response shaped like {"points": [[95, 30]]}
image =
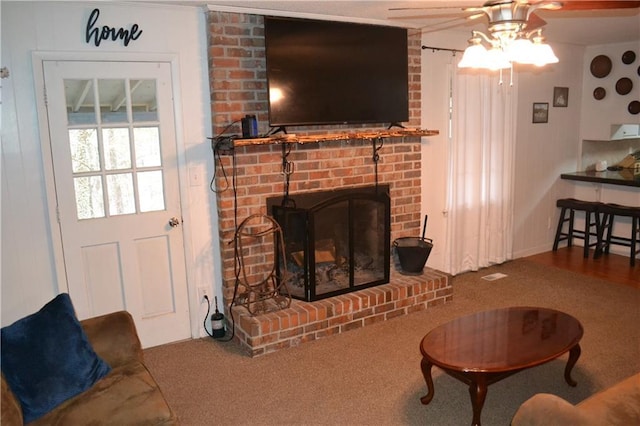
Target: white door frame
{"points": [[56, 237]]}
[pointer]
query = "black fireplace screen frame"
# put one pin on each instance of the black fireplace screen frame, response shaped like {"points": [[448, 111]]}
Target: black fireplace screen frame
{"points": [[298, 218]]}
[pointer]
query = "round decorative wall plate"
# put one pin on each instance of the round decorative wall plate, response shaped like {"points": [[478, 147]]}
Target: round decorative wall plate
{"points": [[634, 107], [601, 66], [599, 93], [628, 57], [624, 86]]}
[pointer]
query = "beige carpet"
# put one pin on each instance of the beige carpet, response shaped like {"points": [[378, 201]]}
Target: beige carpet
{"points": [[371, 376]]}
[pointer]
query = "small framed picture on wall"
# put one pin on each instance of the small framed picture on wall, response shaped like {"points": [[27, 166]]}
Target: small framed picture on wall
{"points": [[541, 112], [560, 96]]}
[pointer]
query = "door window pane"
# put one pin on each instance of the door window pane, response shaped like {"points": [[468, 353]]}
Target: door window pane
{"points": [[113, 101], [120, 143], [117, 150], [80, 102], [144, 104], [89, 197], [85, 156], [151, 191], [147, 143], [121, 197]]}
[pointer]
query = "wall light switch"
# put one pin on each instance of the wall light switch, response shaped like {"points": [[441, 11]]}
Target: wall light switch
{"points": [[195, 175]]}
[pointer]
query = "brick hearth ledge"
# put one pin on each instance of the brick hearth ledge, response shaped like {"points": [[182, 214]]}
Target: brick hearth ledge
{"points": [[307, 321]]}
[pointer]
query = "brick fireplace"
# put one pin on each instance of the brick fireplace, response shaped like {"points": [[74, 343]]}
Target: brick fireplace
{"points": [[238, 87]]}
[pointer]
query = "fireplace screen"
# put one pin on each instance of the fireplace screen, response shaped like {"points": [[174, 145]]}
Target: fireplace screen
{"points": [[335, 241]]}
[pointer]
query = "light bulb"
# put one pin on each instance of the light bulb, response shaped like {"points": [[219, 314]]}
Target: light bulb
{"points": [[473, 57]]}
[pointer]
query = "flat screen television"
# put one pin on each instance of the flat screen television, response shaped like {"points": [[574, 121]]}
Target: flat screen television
{"points": [[325, 72]]}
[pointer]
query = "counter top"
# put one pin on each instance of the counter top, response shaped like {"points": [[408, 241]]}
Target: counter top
{"points": [[623, 177]]}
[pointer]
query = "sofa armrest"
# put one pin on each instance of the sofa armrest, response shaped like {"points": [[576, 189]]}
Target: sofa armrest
{"points": [[114, 338], [616, 405], [544, 409]]}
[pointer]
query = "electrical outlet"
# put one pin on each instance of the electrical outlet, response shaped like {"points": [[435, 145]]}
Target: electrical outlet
{"points": [[202, 292]]}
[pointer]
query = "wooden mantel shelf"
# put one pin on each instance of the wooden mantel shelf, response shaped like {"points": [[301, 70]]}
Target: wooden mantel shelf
{"points": [[302, 139]]}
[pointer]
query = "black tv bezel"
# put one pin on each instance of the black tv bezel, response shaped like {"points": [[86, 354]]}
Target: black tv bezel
{"points": [[391, 119]]}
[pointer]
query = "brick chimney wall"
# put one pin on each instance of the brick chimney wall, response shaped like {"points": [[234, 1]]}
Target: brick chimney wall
{"points": [[238, 86]]}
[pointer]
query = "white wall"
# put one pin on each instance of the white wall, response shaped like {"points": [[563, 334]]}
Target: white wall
{"points": [[597, 118], [543, 151], [598, 115], [28, 264]]}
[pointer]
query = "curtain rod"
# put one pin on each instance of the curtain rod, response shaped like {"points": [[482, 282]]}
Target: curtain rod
{"points": [[442, 48]]}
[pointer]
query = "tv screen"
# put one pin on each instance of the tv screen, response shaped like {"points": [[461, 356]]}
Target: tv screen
{"points": [[324, 72]]}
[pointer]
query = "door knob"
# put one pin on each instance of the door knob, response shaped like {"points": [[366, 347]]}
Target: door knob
{"points": [[174, 221]]}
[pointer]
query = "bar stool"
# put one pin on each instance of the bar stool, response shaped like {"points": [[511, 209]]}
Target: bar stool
{"points": [[610, 211], [591, 220]]}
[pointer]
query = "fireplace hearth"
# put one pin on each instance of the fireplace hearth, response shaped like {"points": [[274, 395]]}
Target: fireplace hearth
{"points": [[336, 241]]}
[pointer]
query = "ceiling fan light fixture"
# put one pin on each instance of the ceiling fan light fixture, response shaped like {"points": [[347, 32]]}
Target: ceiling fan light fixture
{"points": [[519, 50], [532, 52], [474, 55], [497, 59], [543, 54], [507, 49], [477, 56]]}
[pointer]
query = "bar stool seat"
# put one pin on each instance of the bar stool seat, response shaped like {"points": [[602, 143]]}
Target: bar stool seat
{"points": [[607, 236], [591, 229]]}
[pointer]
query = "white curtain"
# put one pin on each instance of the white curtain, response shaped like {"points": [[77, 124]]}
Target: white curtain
{"points": [[481, 158]]}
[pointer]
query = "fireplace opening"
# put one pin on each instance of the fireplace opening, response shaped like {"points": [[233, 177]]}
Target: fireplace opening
{"points": [[335, 241]]}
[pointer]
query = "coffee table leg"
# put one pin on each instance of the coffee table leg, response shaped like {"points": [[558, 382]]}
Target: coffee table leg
{"points": [[478, 392], [574, 354], [426, 372]]}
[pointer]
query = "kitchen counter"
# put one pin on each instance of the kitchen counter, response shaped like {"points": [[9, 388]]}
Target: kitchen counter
{"points": [[623, 177]]}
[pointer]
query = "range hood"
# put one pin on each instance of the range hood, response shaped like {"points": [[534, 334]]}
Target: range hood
{"points": [[625, 131]]}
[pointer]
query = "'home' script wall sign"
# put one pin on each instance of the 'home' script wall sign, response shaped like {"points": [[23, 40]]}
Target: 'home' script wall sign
{"points": [[96, 33]]}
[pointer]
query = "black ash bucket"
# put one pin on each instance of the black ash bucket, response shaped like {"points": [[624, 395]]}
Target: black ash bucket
{"points": [[413, 252]]}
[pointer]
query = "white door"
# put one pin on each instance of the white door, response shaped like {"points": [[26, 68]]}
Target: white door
{"points": [[113, 148]]}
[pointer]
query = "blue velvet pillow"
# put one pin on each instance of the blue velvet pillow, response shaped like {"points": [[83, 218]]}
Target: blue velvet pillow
{"points": [[47, 358]]}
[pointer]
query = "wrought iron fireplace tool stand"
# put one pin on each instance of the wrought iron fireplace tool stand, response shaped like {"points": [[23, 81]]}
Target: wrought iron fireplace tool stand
{"points": [[263, 288]]}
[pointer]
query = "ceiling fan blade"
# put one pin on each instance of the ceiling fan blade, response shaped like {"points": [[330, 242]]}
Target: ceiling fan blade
{"points": [[432, 7], [433, 16], [602, 4], [451, 23], [476, 16], [534, 22], [455, 15]]}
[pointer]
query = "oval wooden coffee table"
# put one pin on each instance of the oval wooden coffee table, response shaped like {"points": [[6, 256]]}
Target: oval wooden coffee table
{"points": [[485, 347]]}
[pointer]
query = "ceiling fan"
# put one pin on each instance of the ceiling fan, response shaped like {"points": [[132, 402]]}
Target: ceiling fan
{"points": [[509, 15], [515, 30]]}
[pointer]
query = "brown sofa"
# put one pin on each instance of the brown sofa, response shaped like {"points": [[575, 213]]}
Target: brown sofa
{"points": [[617, 405], [128, 395]]}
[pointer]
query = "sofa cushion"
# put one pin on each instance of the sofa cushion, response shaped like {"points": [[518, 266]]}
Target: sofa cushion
{"points": [[47, 359], [128, 395]]}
